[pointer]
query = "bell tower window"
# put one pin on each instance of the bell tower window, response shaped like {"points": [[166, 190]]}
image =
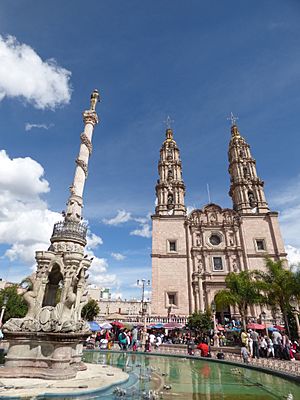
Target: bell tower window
{"points": [[171, 299], [172, 246], [260, 245]]}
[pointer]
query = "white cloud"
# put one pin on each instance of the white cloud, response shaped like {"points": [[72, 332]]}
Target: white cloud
{"points": [[98, 272], [24, 74], [124, 216], [21, 184], [21, 178], [121, 217], [293, 255], [93, 241], [143, 231], [118, 256], [288, 203], [142, 220], [29, 126]]}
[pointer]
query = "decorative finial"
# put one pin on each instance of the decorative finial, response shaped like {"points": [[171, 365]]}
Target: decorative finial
{"points": [[95, 98], [169, 122], [233, 119]]}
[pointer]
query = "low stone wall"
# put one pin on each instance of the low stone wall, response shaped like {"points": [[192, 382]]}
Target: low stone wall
{"points": [[233, 354]]}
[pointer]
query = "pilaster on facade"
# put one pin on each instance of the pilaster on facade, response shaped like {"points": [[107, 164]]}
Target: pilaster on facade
{"points": [[170, 188], [246, 189]]}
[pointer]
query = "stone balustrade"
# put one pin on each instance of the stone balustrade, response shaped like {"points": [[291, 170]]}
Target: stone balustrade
{"points": [[233, 355]]}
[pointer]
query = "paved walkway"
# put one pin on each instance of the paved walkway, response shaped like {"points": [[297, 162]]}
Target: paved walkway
{"points": [[95, 377]]}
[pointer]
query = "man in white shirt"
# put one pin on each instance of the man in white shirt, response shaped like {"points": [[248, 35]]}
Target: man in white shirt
{"points": [[152, 338]]}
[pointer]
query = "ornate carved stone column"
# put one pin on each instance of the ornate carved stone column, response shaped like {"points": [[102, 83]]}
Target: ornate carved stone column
{"points": [[46, 342]]}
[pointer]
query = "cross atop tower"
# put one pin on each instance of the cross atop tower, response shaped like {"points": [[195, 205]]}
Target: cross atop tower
{"points": [[232, 118], [168, 122]]}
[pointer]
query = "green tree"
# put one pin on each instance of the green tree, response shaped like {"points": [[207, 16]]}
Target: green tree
{"points": [[15, 305], [200, 322], [90, 310], [280, 285], [242, 290]]}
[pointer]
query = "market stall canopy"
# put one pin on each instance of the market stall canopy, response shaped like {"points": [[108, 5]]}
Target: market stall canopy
{"points": [[155, 326], [220, 328], [272, 329], [279, 327], [234, 329], [105, 325], [256, 326], [173, 325], [118, 324], [94, 326]]}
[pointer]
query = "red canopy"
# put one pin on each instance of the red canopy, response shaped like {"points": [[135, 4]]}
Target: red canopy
{"points": [[256, 326], [279, 327], [220, 328], [118, 324]]}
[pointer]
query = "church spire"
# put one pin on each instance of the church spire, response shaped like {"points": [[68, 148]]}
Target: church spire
{"points": [[170, 189], [246, 189]]}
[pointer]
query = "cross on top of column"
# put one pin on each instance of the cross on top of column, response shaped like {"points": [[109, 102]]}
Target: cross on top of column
{"points": [[233, 119], [168, 122]]}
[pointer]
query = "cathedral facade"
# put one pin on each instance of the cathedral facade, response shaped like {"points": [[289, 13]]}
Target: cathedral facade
{"points": [[193, 253]]}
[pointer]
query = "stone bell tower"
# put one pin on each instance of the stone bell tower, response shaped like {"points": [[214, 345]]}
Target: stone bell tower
{"points": [[246, 189], [46, 343], [170, 289], [170, 187]]}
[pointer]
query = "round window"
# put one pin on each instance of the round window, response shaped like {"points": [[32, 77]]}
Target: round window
{"points": [[215, 240]]}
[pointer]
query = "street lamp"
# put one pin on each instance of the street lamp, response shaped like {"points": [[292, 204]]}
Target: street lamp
{"points": [[142, 283], [213, 309], [5, 299]]}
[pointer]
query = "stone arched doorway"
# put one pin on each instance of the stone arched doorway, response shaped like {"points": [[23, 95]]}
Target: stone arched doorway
{"points": [[222, 313]]}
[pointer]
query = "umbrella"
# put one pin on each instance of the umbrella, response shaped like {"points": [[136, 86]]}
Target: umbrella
{"points": [[173, 325], [118, 324], [94, 326], [279, 327], [106, 325], [272, 329], [156, 326], [256, 326]]}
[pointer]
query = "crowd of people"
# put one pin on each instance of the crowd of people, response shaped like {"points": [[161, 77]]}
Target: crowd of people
{"points": [[255, 345], [127, 339]]}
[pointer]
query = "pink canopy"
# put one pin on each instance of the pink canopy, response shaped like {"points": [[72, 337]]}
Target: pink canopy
{"points": [[220, 328], [256, 326]]}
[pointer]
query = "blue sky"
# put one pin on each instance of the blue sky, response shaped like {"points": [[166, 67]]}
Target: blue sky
{"points": [[196, 61]]}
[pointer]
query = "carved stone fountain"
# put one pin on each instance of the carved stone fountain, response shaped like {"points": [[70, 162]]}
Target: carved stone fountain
{"points": [[47, 342]]}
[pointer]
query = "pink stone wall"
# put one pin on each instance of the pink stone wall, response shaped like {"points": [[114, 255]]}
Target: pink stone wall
{"points": [[169, 269]]}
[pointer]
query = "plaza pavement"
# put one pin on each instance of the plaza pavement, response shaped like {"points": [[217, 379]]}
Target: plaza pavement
{"points": [[95, 377]]}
